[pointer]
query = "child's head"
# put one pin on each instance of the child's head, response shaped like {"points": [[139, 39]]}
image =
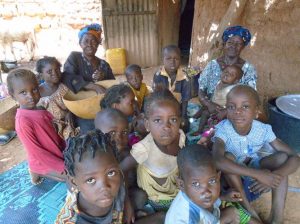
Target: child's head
{"points": [[242, 103], [93, 170], [115, 123], [171, 58], [231, 74], [49, 68], [23, 87], [198, 176], [134, 76], [162, 116], [119, 97]]}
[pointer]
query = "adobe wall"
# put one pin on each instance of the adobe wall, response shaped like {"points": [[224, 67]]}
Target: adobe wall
{"points": [[275, 47], [55, 24]]}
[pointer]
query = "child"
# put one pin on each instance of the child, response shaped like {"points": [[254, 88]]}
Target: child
{"points": [[134, 77], [115, 123], [172, 77], [52, 92], [236, 149], [119, 97], [199, 182], [34, 128], [98, 191], [229, 78], [156, 154]]}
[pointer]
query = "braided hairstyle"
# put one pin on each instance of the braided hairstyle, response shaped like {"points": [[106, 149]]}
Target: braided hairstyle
{"points": [[41, 63], [90, 143], [159, 95], [114, 95]]}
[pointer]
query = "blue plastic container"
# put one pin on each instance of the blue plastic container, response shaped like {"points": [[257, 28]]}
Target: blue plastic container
{"points": [[286, 127]]}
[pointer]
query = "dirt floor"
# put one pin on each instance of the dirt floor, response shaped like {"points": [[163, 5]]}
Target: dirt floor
{"points": [[13, 153]]}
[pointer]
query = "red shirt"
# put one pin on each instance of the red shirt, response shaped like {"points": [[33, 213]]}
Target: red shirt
{"points": [[43, 145]]}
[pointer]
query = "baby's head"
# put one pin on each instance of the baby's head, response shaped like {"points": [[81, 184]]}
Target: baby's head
{"points": [[171, 58], [49, 68], [119, 97], [134, 76], [23, 87], [162, 116], [93, 170], [231, 74], [115, 123], [198, 176], [242, 103]]}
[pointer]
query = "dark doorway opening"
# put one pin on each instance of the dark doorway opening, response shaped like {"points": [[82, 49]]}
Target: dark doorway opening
{"points": [[185, 29]]}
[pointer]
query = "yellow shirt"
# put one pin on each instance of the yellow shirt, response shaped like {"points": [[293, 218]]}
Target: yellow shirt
{"points": [[140, 94]]}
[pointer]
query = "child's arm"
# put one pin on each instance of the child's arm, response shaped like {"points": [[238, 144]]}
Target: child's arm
{"points": [[227, 166], [128, 163], [293, 161]]}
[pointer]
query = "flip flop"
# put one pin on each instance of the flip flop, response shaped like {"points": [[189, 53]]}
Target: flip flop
{"points": [[4, 139]]}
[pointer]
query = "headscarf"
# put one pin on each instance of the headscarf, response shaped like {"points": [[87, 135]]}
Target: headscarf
{"points": [[237, 31], [94, 29]]}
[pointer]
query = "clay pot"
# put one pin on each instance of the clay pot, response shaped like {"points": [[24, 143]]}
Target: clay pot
{"points": [[86, 104], [8, 110]]}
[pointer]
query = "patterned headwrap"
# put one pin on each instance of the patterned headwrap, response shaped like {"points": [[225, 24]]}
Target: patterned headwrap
{"points": [[94, 29], [237, 31]]}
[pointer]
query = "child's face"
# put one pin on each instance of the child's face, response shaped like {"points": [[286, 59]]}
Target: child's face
{"points": [[171, 61], [51, 73], [242, 109], [26, 92], [118, 130], [98, 180], [201, 185], [126, 106], [230, 75], [163, 123], [135, 79]]}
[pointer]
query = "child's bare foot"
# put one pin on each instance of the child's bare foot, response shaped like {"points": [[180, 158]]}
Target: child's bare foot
{"points": [[36, 178]]}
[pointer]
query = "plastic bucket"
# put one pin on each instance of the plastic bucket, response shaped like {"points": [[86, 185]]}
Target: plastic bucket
{"points": [[116, 57], [286, 127]]}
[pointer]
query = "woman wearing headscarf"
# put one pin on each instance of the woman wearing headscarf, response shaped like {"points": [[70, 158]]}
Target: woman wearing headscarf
{"points": [[234, 38], [83, 69]]}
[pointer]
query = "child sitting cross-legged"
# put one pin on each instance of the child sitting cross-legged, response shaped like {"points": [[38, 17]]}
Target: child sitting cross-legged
{"points": [[155, 155], [199, 200], [35, 129], [237, 149]]}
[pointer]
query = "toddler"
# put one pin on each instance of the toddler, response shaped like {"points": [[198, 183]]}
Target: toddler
{"points": [[198, 200], [52, 92], [134, 78], [229, 78], [237, 151], [156, 154], [119, 97], [98, 192], [34, 128], [172, 76]]}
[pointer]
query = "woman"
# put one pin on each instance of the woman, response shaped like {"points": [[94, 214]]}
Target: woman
{"points": [[84, 68], [235, 38]]}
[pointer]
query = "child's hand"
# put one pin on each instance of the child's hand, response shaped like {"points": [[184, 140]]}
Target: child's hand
{"points": [[259, 188], [230, 215], [128, 211], [232, 196], [268, 178]]}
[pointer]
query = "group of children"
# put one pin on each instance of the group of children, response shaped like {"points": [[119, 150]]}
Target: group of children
{"points": [[135, 166]]}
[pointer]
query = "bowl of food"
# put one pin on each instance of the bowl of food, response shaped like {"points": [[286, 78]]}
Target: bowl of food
{"points": [[86, 104], [8, 110]]}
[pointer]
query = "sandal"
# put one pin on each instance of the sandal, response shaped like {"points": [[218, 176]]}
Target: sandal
{"points": [[6, 138]]}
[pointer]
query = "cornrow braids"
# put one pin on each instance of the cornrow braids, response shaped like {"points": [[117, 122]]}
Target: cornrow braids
{"points": [[41, 63], [91, 142], [114, 95], [159, 95]]}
